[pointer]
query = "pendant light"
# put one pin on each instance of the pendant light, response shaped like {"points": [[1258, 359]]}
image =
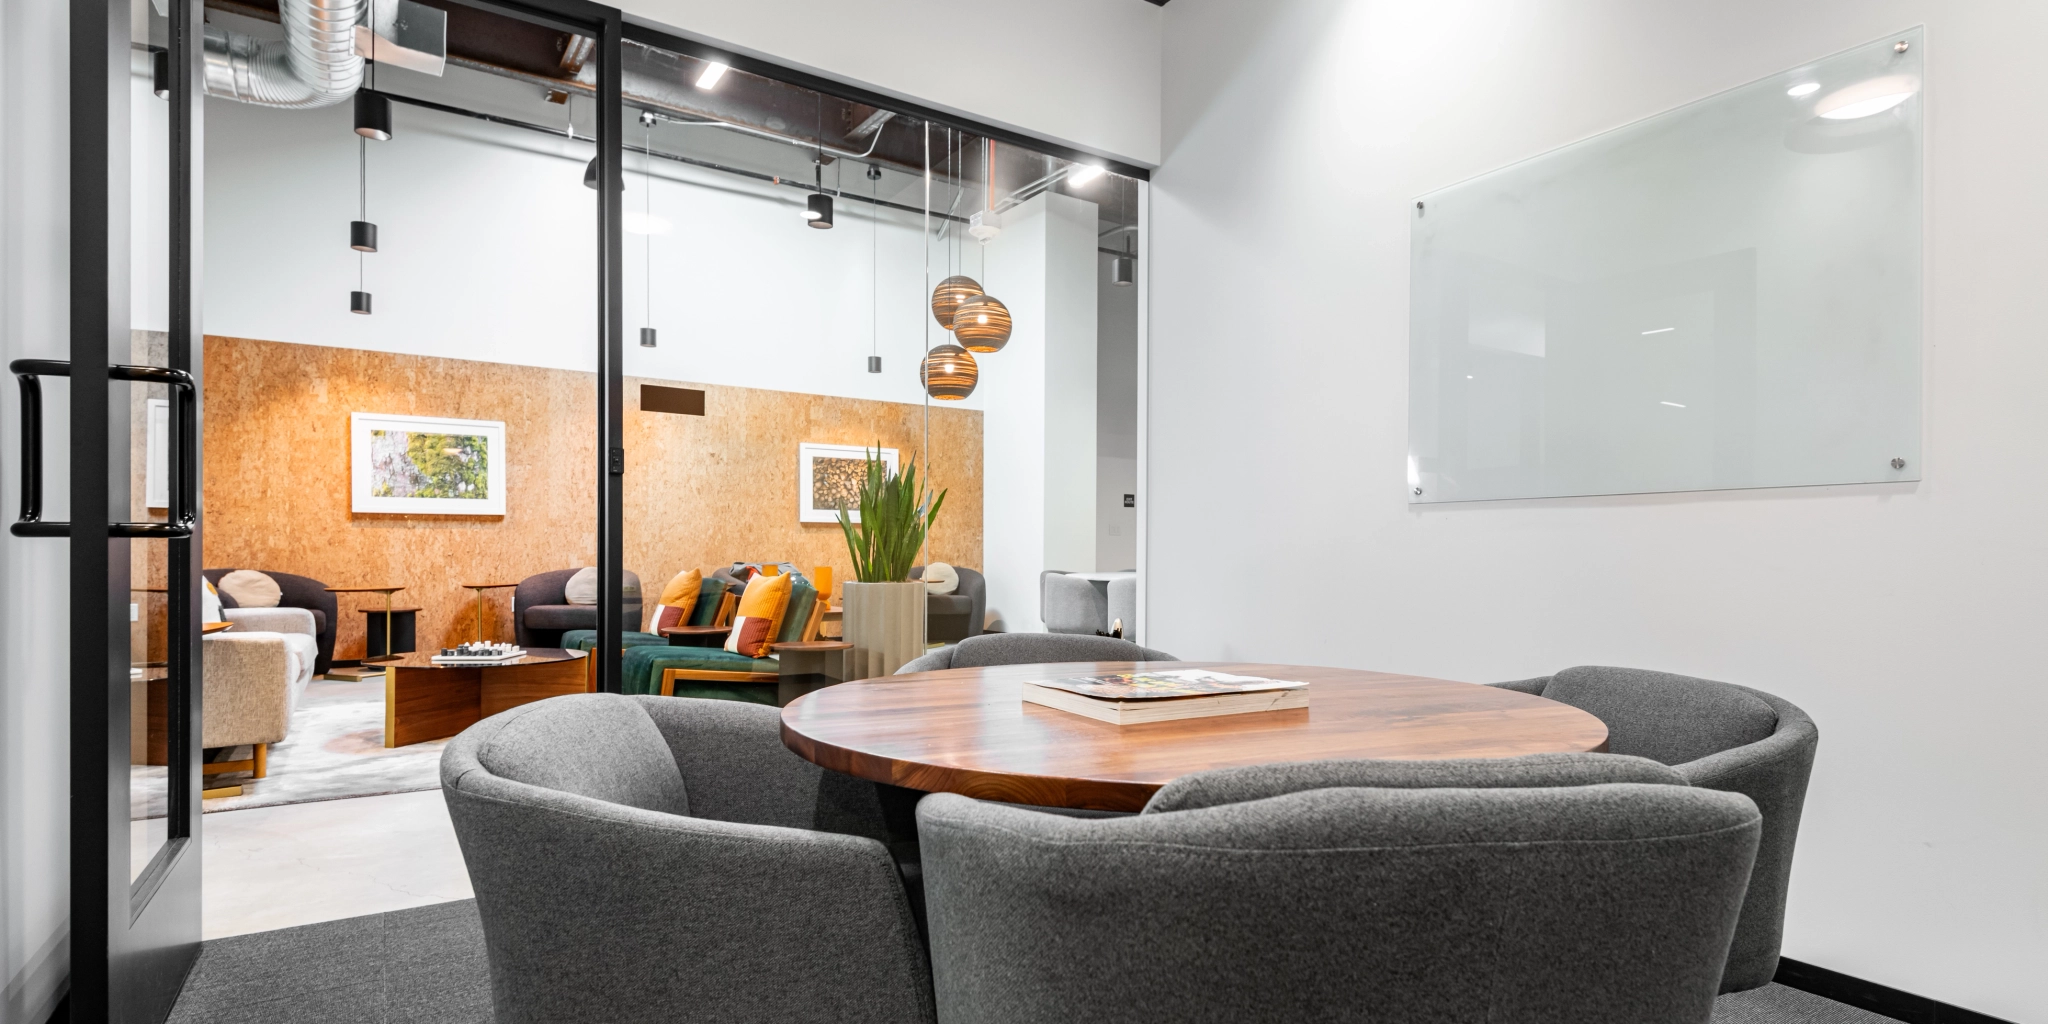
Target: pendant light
{"points": [[373, 115], [1124, 268], [948, 297], [362, 235], [818, 211], [949, 373], [874, 267], [647, 240], [982, 324]]}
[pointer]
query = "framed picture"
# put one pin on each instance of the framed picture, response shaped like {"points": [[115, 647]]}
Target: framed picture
{"points": [[426, 465], [829, 475]]}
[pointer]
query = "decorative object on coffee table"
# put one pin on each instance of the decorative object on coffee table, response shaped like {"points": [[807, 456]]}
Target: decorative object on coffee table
{"points": [[427, 701], [884, 616]]}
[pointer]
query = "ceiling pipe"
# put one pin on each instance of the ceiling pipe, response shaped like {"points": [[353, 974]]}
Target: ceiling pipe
{"points": [[315, 65]]}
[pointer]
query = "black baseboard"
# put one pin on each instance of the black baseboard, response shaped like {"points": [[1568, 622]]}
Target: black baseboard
{"points": [[1869, 995]]}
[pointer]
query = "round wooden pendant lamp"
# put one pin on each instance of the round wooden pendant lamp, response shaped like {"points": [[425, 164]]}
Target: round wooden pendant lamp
{"points": [[982, 324], [949, 373], [948, 296]]}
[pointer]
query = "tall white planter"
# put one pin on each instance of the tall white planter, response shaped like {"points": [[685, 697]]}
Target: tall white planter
{"points": [[885, 624]]}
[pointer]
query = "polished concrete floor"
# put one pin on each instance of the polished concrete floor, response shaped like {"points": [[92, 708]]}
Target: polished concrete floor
{"points": [[298, 864]]}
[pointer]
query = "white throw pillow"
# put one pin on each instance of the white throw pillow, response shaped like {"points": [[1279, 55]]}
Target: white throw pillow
{"points": [[209, 604], [251, 589], [939, 578], [582, 587]]}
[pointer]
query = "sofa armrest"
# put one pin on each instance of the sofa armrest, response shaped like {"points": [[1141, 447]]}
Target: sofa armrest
{"points": [[248, 689], [272, 620]]}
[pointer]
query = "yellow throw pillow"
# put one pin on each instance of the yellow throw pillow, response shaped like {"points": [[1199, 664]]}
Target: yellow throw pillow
{"points": [[678, 600], [767, 599]]}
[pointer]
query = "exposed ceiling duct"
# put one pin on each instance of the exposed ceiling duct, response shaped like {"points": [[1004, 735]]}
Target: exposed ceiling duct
{"points": [[319, 62]]}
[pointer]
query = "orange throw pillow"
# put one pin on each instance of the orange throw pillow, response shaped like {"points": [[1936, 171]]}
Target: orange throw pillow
{"points": [[766, 599], [678, 600]]}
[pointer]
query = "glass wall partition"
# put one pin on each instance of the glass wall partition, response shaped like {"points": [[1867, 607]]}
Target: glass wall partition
{"points": [[814, 277]]}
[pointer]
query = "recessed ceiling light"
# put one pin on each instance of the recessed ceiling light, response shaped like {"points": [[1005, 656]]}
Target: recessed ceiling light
{"points": [[1872, 96], [1082, 174], [713, 71], [1803, 89]]}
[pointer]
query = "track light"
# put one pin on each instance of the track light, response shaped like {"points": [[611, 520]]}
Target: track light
{"points": [[362, 236], [818, 212], [359, 302], [373, 115]]}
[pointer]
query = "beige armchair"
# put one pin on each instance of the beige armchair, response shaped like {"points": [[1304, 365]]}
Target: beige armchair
{"points": [[253, 683]]}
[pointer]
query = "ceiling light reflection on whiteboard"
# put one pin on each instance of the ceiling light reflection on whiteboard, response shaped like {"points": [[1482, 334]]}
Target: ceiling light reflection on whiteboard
{"points": [[1674, 405], [1803, 89], [1659, 330], [1870, 96]]}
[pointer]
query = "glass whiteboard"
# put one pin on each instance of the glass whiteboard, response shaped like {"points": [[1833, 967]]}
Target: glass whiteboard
{"points": [[1723, 295]]}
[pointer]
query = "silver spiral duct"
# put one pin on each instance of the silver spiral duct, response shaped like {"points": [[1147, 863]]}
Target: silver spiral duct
{"points": [[315, 65]]}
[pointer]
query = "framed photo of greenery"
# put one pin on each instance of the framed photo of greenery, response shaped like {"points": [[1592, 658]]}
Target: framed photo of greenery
{"points": [[426, 465]]}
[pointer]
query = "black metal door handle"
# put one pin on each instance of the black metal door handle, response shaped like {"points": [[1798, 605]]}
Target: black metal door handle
{"points": [[184, 473]]}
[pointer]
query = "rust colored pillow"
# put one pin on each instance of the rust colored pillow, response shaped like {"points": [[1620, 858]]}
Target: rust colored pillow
{"points": [[678, 600], [766, 600], [749, 636]]}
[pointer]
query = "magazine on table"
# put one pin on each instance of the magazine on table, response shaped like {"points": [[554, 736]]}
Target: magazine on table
{"points": [[1171, 684]]}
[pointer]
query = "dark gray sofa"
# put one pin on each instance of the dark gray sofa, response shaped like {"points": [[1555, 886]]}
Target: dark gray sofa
{"points": [[541, 614], [297, 592]]}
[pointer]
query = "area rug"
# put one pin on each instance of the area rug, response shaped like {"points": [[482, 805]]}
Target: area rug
{"points": [[333, 751]]}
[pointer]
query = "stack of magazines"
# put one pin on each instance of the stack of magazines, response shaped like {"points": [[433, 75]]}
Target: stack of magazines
{"points": [[1128, 698]]}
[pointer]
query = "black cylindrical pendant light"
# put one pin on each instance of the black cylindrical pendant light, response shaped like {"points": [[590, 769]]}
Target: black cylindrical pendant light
{"points": [[359, 302], [874, 364], [373, 115], [160, 73], [646, 337], [1123, 270], [362, 236], [818, 212]]}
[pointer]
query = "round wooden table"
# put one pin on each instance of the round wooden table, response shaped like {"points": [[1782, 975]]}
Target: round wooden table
{"points": [[968, 731]]}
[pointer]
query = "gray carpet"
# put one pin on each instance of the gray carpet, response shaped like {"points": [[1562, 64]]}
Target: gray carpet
{"points": [[427, 965], [422, 965]]}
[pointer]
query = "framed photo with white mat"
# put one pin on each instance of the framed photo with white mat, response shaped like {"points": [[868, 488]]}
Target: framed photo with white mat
{"points": [[831, 474], [426, 465]]}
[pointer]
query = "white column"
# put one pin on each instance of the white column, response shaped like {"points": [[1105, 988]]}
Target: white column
{"points": [[1038, 425]]}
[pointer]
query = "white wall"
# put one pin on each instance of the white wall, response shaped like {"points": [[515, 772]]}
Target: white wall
{"points": [[487, 240], [1038, 430], [1905, 618], [34, 605], [1083, 72]]}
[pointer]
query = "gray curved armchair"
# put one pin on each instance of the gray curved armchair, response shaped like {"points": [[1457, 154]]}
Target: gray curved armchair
{"points": [[666, 858], [541, 611], [1031, 649], [950, 618], [1719, 736], [1596, 904]]}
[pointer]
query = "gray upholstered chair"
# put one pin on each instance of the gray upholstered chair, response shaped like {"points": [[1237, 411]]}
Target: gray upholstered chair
{"points": [[950, 618], [664, 859], [541, 611], [1070, 604], [1719, 736], [1031, 649], [1587, 904]]}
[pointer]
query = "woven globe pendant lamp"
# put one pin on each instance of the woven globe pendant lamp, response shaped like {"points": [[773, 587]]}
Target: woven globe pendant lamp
{"points": [[982, 324], [948, 296], [949, 373]]}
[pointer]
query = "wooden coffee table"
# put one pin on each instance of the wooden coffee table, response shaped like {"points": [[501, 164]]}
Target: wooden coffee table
{"points": [[424, 701], [968, 731]]}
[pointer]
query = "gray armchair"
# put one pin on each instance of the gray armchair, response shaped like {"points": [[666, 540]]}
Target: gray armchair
{"points": [[1069, 604], [950, 618], [541, 611], [1031, 649], [663, 858], [1596, 904], [1719, 736]]}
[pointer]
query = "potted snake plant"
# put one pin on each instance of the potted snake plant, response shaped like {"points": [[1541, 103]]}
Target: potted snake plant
{"points": [[884, 607]]}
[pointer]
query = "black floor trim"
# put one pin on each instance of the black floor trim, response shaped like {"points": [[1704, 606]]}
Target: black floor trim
{"points": [[1869, 995]]}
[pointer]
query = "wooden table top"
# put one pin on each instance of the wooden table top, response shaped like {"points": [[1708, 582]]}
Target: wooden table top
{"points": [[381, 611], [363, 590], [534, 656], [694, 630], [814, 645], [487, 586], [968, 731]]}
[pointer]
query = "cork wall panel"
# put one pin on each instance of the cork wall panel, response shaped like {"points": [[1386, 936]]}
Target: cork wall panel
{"points": [[699, 491]]}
